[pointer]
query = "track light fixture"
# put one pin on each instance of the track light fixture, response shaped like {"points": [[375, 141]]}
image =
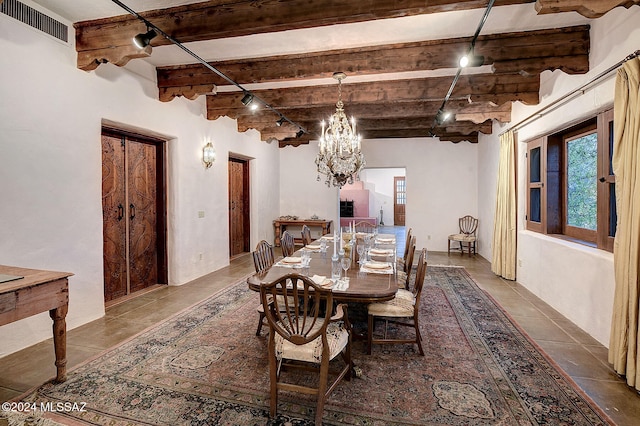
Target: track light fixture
{"points": [[247, 98], [471, 59], [280, 122], [142, 40], [300, 133], [442, 116]]}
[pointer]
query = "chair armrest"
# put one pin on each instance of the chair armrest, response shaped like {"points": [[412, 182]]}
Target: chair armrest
{"points": [[341, 315]]}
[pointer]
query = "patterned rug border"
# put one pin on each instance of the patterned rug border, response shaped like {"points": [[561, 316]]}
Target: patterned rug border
{"points": [[539, 348]]}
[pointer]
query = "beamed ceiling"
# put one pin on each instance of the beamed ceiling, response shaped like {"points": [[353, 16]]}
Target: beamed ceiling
{"points": [[394, 88]]}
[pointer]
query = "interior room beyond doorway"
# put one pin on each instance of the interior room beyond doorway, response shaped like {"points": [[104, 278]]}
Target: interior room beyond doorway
{"points": [[378, 197]]}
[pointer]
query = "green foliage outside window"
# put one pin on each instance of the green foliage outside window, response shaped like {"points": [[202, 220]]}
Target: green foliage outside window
{"points": [[582, 163]]}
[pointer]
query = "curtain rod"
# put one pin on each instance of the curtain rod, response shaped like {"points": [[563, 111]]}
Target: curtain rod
{"points": [[581, 90]]}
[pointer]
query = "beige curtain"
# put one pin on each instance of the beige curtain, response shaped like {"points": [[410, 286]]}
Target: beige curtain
{"points": [[624, 347], [503, 260]]}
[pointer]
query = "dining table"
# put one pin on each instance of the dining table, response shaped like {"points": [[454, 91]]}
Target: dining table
{"points": [[367, 283]]}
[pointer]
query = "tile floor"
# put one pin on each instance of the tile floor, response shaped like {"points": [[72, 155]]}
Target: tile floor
{"points": [[583, 358]]}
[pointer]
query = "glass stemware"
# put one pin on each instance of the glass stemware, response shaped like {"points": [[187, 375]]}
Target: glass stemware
{"points": [[360, 250], [346, 264]]}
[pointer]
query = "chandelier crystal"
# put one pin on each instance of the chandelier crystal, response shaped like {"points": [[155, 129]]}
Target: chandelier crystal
{"points": [[339, 156]]}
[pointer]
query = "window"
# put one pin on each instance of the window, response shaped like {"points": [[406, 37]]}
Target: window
{"points": [[570, 183]]}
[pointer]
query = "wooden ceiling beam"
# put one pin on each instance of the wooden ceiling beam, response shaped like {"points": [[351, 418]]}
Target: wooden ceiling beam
{"points": [[497, 89], [109, 39], [529, 51], [410, 109], [590, 9]]}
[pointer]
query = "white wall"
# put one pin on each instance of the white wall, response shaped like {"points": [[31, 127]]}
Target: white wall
{"points": [[50, 171], [576, 280], [301, 193]]}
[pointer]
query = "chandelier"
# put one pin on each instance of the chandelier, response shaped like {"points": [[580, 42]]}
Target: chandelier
{"points": [[339, 156]]}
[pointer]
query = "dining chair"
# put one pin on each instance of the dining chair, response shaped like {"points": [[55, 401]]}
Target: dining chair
{"points": [[263, 259], [287, 243], [404, 273], [403, 309], [306, 235], [303, 336], [467, 236], [407, 242], [364, 226]]}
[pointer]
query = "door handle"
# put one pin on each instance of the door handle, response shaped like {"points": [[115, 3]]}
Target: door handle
{"points": [[132, 211], [120, 211]]}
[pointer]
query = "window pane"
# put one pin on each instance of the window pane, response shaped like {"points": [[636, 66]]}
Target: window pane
{"points": [[582, 167], [534, 165], [613, 213], [534, 205]]}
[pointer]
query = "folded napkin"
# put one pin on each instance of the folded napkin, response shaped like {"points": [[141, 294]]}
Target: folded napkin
{"points": [[377, 268], [386, 240], [327, 237], [322, 280], [381, 251], [292, 260], [378, 265], [313, 246]]}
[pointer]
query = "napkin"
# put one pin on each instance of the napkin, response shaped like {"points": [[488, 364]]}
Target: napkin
{"points": [[313, 246], [292, 259], [377, 265], [381, 251], [386, 240], [321, 280]]}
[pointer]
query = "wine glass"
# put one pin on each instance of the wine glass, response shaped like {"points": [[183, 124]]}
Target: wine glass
{"points": [[360, 250], [346, 264]]}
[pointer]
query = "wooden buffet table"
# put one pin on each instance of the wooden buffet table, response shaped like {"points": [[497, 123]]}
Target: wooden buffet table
{"points": [[38, 291], [280, 225]]}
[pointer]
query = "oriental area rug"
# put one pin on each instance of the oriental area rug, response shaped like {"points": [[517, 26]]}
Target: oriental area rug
{"points": [[205, 366]]}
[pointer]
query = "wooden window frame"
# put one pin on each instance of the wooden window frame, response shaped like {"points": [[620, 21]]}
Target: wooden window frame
{"points": [[584, 234], [553, 183]]}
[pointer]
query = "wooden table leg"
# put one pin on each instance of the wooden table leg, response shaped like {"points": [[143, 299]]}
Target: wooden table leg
{"points": [[58, 316]]}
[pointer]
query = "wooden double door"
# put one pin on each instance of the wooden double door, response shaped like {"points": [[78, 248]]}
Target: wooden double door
{"points": [[134, 218]]}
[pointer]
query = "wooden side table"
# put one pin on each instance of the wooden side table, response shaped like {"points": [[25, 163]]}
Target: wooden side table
{"points": [[35, 292], [280, 225]]}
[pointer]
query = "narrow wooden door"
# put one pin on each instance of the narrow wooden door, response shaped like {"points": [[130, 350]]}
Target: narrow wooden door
{"points": [[399, 200], [134, 254], [238, 206], [114, 224], [141, 191]]}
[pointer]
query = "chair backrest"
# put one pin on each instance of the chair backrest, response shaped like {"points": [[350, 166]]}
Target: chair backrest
{"points": [[364, 226], [408, 261], [468, 225], [306, 235], [407, 244], [297, 316], [287, 243], [420, 276], [263, 257]]}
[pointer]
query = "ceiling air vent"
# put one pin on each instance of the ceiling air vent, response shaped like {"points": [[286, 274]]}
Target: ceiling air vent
{"points": [[35, 19]]}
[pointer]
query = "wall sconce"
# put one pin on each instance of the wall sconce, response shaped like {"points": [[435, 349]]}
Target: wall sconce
{"points": [[208, 155]]}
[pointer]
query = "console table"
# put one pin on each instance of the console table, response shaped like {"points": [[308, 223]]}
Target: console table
{"points": [[28, 292], [280, 225]]}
